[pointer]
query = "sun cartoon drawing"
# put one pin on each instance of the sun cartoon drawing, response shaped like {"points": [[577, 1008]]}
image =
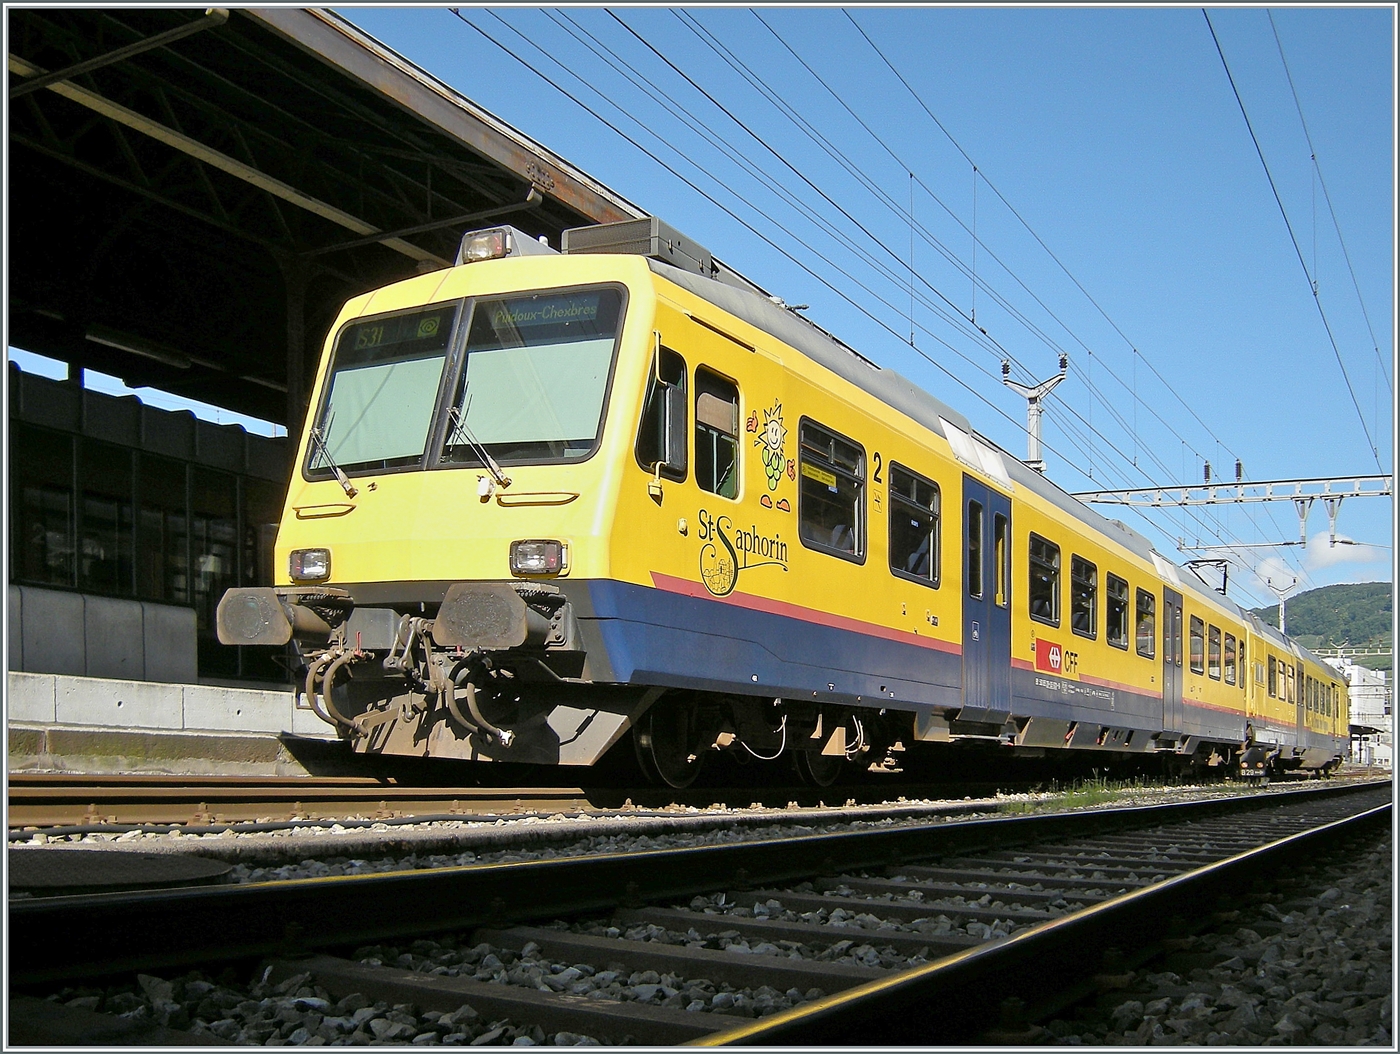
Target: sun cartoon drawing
{"points": [[770, 440]]}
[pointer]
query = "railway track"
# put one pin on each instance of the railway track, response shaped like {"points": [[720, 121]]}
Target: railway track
{"points": [[79, 803], [911, 935]]}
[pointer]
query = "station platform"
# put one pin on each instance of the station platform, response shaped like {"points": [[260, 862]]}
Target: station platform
{"points": [[59, 723]]}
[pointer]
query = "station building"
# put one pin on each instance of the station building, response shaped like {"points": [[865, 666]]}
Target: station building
{"points": [[1372, 724]]}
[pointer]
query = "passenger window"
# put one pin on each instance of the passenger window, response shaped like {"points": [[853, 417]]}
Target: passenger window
{"points": [[1001, 553], [1116, 611], [716, 434], [1213, 654], [831, 492], [974, 549], [1229, 658], [1044, 591], [1198, 645], [1273, 677], [1292, 684], [661, 437], [1146, 624], [1083, 597], [914, 532]]}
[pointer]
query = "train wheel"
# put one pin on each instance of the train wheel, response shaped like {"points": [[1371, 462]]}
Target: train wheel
{"points": [[817, 770], [665, 741]]}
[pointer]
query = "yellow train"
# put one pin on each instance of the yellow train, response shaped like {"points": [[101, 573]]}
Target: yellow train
{"points": [[544, 499]]}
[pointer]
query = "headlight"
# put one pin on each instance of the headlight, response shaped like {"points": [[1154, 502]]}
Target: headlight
{"points": [[536, 557], [310, 565], [484, 245]]}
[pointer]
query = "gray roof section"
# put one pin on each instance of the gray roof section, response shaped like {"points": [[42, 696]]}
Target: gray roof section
{"points": [[909, 399]]}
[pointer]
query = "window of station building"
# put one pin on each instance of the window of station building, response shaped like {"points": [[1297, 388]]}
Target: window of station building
{"points": [[830, 492], [1229, 658], [213, 557], [914, 526], [106, 520], [1198, 645], [162, 554], [1116, 611], [1273, 677], [661, 436], [1043, 593], [1213, 653], [42, 550], [716, 434], [1146, 628], [1083, 597], [1001, 553], [262, 508]]}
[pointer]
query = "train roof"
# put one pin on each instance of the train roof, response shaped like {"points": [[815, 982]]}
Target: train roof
{"points": [[909, 399]]}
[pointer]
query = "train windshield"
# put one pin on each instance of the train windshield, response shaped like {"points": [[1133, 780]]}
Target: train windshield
{"points": [[535, 377], [381, 391]]}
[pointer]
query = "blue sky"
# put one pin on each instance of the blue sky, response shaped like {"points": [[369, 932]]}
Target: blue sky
{"points": [[1115, 135]]}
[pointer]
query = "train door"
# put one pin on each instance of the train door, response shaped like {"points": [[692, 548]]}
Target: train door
{"points": [[986, 603], [1171, 660]]}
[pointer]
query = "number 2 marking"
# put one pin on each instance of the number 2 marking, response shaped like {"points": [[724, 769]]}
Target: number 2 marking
{"points": [[879, 464]]}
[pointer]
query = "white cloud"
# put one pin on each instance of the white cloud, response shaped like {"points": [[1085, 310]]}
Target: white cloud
{"points": [[1320, 553]]}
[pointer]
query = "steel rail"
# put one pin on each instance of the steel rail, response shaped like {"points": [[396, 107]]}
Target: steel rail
{"points": [[46, 800], [958, 998], [71, 937]]}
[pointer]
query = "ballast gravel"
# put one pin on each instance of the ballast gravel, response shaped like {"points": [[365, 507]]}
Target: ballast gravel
{"points": [[528, 968], [1310, 966], [299, 1013]]}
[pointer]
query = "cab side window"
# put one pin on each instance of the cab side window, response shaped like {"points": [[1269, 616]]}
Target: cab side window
{"points": [[830, 492], [661, 436], [716, 434], [914, 534]]}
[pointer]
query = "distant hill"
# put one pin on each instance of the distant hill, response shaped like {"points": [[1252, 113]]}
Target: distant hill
{"points": [[1358, 615]]}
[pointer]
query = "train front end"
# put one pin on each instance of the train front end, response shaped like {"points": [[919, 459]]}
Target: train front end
{"points": [[451, 498]]}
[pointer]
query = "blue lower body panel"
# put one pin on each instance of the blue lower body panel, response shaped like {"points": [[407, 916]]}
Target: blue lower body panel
{"points": [[655, 636]]}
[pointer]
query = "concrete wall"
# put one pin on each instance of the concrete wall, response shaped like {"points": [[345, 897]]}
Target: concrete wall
{"points": [[49, 700], [51, 631]]}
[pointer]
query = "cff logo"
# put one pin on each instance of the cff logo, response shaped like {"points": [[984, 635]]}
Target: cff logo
{"points": [[1048, 656]]}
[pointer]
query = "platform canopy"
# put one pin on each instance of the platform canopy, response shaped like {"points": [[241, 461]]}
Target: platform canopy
{"points": [[193, 194]]}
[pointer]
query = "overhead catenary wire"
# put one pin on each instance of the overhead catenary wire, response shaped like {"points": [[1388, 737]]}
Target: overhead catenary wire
{"points": [[1327, 197], [1361, 417], [1131, 390], [1030, 230], [1136, 351], [977, 173]]}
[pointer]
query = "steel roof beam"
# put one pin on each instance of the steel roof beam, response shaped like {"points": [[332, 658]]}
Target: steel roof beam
{"points": [[352, 52], [214, 16], [217, 159]]}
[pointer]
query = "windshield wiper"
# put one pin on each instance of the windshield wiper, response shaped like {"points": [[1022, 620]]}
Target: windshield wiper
{"points": [[459, 429], [320, 443]]}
